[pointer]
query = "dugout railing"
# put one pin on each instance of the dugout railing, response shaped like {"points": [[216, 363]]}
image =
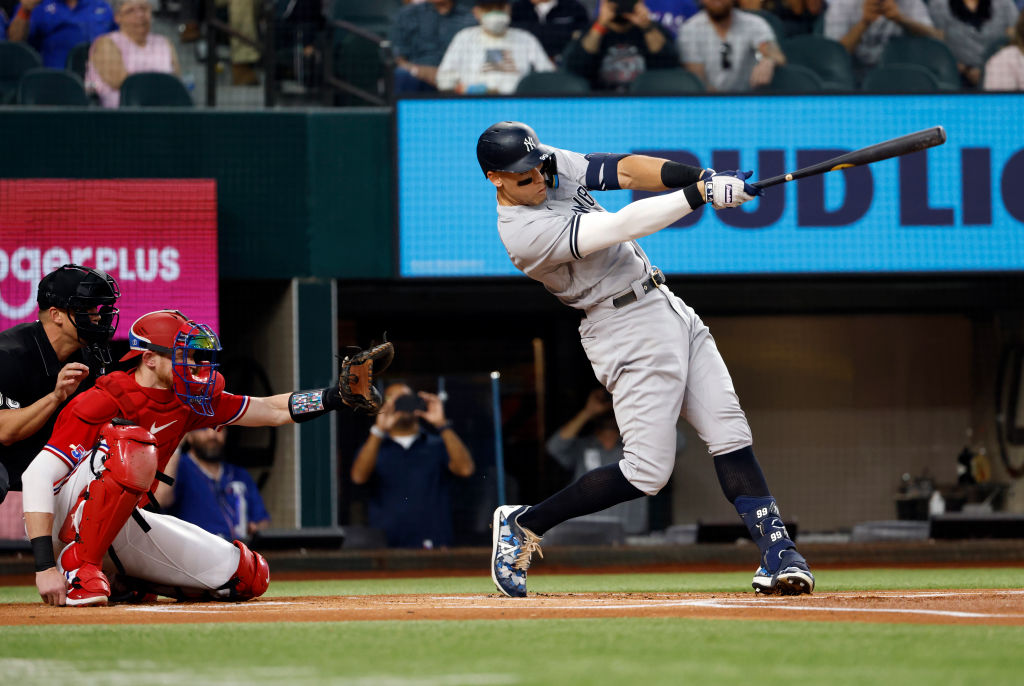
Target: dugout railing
{"points": [[358, 66]]}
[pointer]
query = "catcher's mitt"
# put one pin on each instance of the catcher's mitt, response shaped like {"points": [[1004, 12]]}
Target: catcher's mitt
{"points": [[355, 382]]}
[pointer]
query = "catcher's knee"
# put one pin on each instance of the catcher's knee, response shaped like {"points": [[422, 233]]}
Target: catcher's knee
{"points": [[131, 458], [252, 577]]}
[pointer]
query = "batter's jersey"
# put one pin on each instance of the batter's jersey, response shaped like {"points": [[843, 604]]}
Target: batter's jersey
{"points": [[158, 410], [542, 240]]}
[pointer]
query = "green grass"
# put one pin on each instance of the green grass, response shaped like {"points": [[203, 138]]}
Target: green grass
{"points": [[829, 580], [633, 651], [564, 652]]}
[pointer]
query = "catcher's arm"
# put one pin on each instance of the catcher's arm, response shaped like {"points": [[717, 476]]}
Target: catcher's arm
{"points": [[355, 386]]}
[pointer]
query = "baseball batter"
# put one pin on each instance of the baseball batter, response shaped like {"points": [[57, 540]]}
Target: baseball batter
{"points": [[647, 347], [103, 461]]}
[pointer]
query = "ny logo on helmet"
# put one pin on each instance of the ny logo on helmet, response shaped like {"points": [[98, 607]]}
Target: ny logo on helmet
{"points": [[529, 143]]}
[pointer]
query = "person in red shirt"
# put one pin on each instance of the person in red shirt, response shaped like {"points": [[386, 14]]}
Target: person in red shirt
{"points": [[105, 456]]}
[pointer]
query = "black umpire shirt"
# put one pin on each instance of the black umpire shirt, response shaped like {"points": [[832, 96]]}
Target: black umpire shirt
{"points": [[28, 371]]}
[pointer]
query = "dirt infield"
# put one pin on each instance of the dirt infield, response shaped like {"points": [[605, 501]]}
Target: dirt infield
{"points": [[1005, 607]]}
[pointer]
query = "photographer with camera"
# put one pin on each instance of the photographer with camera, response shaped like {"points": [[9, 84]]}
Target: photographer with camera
{"points": [[624, 42], [409, 469]]}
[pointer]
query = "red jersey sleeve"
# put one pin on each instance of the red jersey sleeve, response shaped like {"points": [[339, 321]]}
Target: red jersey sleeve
{"points": [[78, 426], [228, 409]]}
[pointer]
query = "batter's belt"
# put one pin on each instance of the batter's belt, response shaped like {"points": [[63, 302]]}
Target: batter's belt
{"points": [[637, 290]]}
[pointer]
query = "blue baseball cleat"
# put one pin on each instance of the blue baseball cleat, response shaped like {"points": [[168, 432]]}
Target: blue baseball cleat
{"points": [[511, 550], [792, 578]]}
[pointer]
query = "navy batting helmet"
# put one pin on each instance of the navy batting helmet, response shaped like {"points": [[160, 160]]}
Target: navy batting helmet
{"points": [[510, 146]]}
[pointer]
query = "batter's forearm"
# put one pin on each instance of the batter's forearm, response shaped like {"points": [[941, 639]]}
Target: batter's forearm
{"points": [[643, 173], [600, 230]]}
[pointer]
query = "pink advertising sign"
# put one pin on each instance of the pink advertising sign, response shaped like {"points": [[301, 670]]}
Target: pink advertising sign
{"points": [[158, 238]]}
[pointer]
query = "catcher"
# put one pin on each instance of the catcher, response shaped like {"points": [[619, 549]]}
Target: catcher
{"points": [[83, 491]]}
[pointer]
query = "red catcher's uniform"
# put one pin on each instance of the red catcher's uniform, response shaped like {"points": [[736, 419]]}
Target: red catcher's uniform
{"points": [[157, 548], [157, 410]]}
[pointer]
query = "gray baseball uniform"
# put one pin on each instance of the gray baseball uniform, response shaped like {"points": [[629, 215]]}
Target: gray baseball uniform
{"points": [[654, 355]]}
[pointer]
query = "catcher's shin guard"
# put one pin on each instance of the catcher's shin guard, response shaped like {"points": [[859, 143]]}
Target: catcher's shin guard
{"points": [[252, 577], [107, 502]]}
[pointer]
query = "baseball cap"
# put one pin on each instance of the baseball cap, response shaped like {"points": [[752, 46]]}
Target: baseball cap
{"points": [[59, 287], [154, 331]]}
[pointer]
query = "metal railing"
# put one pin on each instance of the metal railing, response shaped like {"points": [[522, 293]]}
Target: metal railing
{"points": [[385, 83], [215, 28]]}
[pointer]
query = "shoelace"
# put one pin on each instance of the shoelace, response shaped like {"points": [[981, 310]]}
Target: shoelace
{"points": [[529, 546]]}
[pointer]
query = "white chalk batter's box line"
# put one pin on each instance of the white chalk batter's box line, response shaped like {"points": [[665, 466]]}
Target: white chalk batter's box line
{"points": [[603, 604]]}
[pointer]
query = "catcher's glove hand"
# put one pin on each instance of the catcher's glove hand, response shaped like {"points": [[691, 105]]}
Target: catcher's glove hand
{"points": [[355, 382]]}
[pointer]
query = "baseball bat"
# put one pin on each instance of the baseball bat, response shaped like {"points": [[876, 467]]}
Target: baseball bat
{"points": [[894, 147]]}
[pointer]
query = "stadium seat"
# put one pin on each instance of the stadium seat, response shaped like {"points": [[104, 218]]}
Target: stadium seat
{"points": [[795, 78], [15, 60], [774, 21], [901, 78], [44, 86], [929, 53], [552, 83], [824, 56], [666, 82], [77, 59], [154, 89]]}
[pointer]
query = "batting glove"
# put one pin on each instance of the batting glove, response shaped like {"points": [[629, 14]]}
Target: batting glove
{"points": [[728, 188]]}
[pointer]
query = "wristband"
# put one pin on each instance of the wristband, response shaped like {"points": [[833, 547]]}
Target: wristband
{"points": [[378, 432], [306, 405], [676, 175], [693, 196], [42, 551], [600, 28]]}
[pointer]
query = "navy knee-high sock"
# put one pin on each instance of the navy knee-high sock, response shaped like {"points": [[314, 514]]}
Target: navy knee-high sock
{"points": [[744, 485], [596, 490]]}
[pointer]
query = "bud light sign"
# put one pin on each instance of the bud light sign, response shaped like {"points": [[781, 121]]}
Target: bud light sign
{"points": [[157, 238], [954, 208]]}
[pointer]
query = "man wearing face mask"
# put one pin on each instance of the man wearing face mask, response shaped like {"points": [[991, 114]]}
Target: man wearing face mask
{"points": [[624, 42], [491, 57], [409, 469], [215, 495]]}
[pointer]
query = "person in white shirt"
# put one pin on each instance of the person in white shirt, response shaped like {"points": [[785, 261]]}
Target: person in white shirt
{"points": [[491, 57]]}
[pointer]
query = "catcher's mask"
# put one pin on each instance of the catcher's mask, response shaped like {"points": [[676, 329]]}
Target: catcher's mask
{"points": [[192, 347], [89, 296]]}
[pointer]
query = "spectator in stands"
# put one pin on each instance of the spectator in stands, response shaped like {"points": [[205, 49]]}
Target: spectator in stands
{"points": [[419, 37], [865, 26], [798, 17], [215, 495], [491, 57], [671, 14], [620, 45], [730, 51], [241, 19], [1005, 70], [53, 27], [131, 49], [553, 22], [409, 469], [969, 26]]}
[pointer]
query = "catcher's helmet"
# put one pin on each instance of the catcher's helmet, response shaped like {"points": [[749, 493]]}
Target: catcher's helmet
{"points": [[193, 350], [510, 146]]}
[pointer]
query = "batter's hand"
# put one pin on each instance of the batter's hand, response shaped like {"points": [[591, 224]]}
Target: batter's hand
{"points": [[728, 188], [68, 380], [53, 587]]}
